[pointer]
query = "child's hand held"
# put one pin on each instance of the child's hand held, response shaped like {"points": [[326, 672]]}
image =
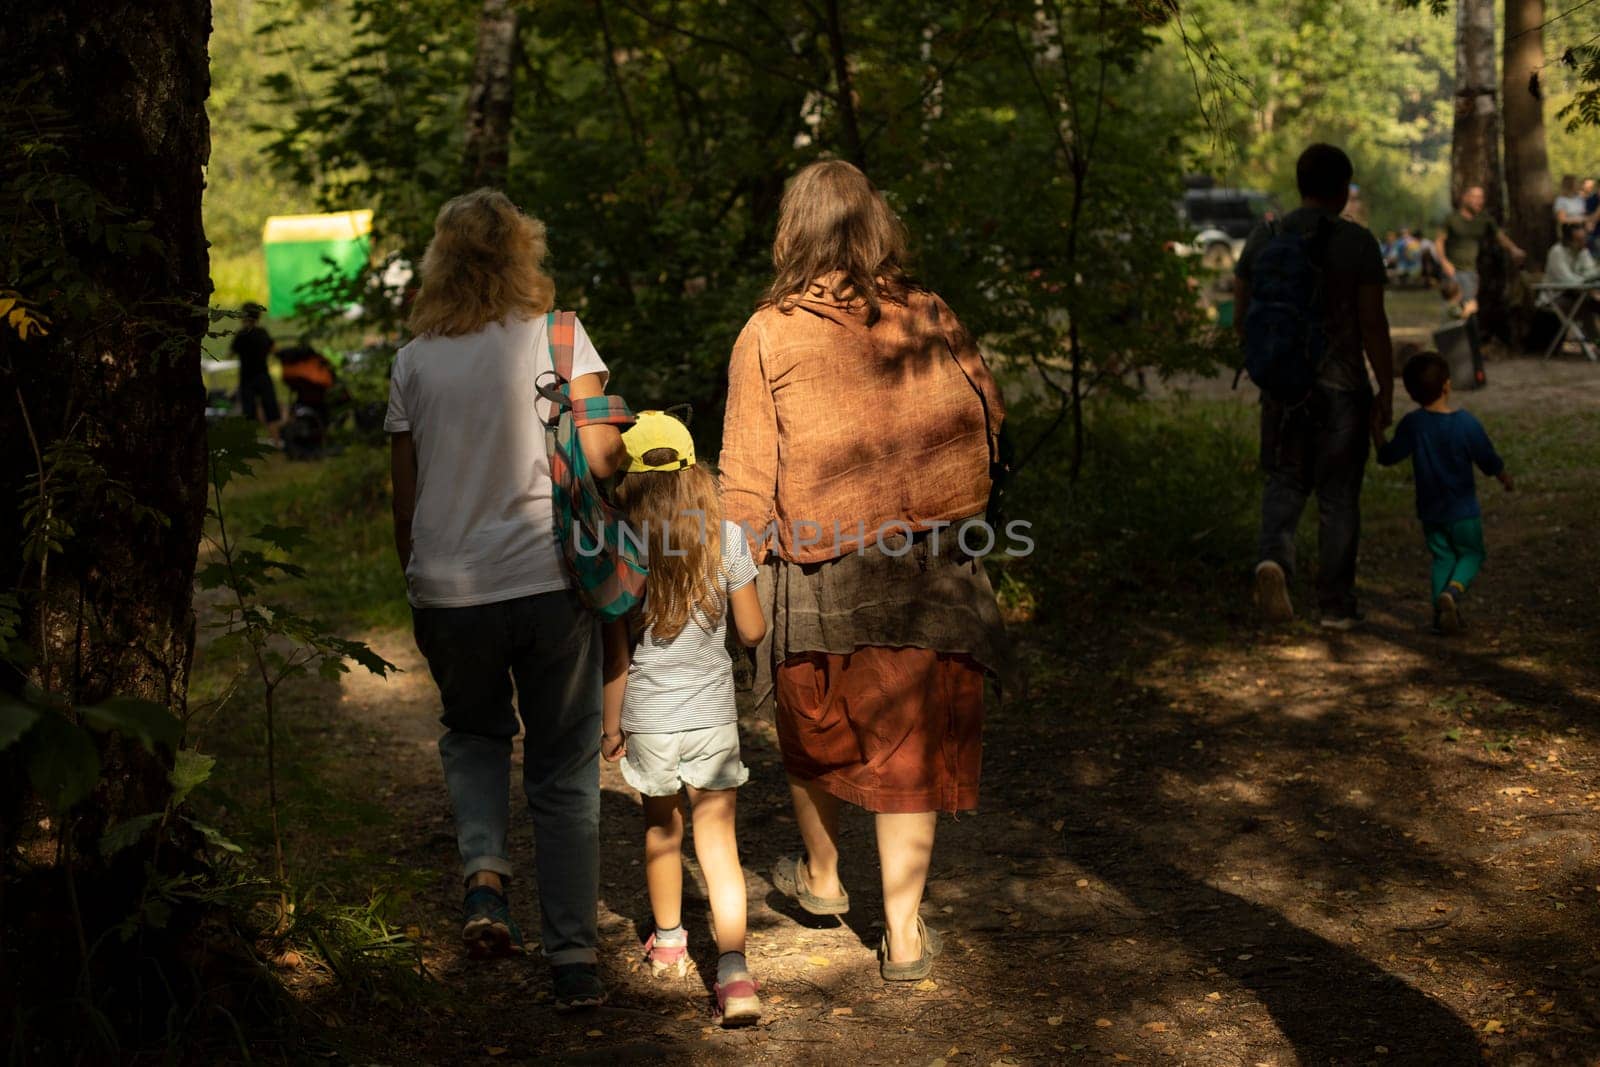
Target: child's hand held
{"points": [[613, 746], [1506, 480]]}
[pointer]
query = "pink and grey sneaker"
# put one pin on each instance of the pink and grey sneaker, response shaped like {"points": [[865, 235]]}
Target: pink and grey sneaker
{"points": [[665, 958], [737, 1003]]}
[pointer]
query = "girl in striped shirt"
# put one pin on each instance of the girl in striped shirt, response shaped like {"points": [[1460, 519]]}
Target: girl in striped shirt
{"points": [[669, 701]]}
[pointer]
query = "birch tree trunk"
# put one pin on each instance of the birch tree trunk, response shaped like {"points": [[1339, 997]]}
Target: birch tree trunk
{"points": [[491, 100], [1475, 148], [1529, 190], [1475, 151]]}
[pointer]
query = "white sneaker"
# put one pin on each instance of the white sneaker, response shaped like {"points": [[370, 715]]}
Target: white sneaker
{"points": [[1272, 593]]}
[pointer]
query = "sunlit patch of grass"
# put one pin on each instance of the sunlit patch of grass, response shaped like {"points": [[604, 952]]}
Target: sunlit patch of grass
{"points": [[353, 578]]}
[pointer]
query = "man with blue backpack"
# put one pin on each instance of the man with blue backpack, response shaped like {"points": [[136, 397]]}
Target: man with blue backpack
{"points": [[1308, 305]]}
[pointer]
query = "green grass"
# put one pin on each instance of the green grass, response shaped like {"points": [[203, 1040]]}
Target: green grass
{"points": [[1166, 500], [353, 580]]}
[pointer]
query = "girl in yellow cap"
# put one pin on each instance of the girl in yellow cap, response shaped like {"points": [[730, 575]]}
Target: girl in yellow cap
{"points": [[669, 701]]}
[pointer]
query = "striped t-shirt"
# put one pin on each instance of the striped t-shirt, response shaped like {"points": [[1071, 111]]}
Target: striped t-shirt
{"points": [[687, 683]]}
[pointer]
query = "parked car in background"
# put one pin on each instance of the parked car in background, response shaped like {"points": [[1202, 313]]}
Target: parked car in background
{"points": [[1219, 220]]}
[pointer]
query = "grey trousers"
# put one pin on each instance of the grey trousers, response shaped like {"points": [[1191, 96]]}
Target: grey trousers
{"points": [[549, 645]]}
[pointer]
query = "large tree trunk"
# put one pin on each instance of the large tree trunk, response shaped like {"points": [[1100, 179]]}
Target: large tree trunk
{"points": [[114, 253], [1529, 191], [492, 97], [1475, 148]]}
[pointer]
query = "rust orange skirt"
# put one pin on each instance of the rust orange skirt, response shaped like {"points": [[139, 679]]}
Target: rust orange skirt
{"points": [[890, 729]]}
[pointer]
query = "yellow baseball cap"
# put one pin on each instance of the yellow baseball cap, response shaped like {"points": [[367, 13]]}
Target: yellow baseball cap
{"points": [[653, 430]]}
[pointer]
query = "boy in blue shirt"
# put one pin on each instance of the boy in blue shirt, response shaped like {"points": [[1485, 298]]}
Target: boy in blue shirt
{"points": [[1444, 444]]}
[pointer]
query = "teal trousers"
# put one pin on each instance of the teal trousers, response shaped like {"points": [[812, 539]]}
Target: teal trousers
{"points": [[1457, 549]]}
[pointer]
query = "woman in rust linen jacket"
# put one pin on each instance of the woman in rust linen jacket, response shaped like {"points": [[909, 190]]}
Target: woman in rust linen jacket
{"points": [[860, 430]]}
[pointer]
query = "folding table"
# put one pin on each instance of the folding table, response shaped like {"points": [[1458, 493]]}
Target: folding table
{"points": [[1549, 295]]}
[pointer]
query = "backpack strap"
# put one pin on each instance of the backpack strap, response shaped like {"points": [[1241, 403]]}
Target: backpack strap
{"points": [[561, 334], [561, 331]]}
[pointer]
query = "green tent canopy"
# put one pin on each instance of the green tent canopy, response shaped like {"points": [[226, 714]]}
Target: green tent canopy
{"points": [[299, 249]]}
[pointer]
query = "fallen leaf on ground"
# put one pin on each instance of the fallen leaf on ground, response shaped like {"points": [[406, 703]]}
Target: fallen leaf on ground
{"points": [[494, 1050], [1494, 1026], [1056, 1020], [1082, 882], [1213, 996], [817, 961], [927, 985], [1102, 1023], [844, 1011], [1156, 1028]]}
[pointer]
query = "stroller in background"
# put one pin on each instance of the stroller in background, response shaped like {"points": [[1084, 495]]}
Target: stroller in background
{"points": [[314, 386]]}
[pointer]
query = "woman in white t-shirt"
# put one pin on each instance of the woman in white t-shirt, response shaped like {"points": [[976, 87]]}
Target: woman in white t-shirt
{"points": [[490, 597]]}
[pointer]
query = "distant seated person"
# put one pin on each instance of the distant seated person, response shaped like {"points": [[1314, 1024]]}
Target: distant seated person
{"points": [[251, 345], [1407, 257], [1390, 247], [1571, 206], [1569, 264], [1591, 207]]}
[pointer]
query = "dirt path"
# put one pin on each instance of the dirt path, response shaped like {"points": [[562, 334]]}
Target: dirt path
{"points": [[1200, 843]]}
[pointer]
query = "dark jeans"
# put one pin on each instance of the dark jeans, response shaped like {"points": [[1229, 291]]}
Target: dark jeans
{"points": [[550, 645], [1322, 449], [258, 393]]}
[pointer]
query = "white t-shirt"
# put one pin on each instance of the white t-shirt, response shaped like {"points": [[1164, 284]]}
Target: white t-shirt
{"points": [[1574, 207], [483, 530], [687, 683]]}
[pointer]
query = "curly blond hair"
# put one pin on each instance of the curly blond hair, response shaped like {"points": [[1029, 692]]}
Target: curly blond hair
{"points": [[485, 263]]}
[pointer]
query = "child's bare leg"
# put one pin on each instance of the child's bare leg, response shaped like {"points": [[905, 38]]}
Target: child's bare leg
{"points": [[663, 859], [717, 849], [816, 811]]}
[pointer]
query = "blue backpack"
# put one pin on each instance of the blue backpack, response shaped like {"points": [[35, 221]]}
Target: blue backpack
{"points": [[1285, 333]]}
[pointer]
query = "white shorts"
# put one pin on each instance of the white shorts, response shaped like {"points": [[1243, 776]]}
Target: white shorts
{"points": [[660, 765]]}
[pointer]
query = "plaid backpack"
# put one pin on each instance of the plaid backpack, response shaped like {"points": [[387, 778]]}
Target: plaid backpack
{"points": [[607, 566]]}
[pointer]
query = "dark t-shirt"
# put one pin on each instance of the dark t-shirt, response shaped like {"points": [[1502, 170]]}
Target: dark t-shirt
{"points": [[1464, 239], [252, 345], [1354, 259]]}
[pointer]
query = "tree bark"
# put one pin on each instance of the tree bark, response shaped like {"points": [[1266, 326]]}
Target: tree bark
{"points": [[1529, 190], [1475, 150], [126, 82], [492, 98], [845, 94]]}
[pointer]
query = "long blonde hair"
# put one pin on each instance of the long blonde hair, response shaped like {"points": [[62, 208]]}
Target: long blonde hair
{"points": [[680, 514], [834, 221], [485, 262]]}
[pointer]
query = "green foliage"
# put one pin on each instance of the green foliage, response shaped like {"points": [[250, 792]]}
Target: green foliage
{"points": [[654, 138], [352, 577], [1168, 500], [1373, 78], [57, 745]]}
